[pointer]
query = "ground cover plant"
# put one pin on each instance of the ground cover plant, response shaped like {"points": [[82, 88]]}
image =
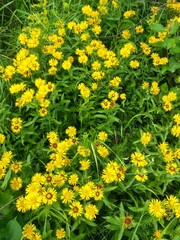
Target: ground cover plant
{"points": [[90, 121]]}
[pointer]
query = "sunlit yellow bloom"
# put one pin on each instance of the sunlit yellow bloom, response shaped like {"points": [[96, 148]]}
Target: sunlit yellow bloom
{"points": [[91, 211], [49, 196], [16, 183], [172, 168], [156, 208], [28, 230], [103, 151], [85, 164], [2, 138], [16, 166], [146, 138], [67, 195], [60, 233], [138, 159], [76, 209]]}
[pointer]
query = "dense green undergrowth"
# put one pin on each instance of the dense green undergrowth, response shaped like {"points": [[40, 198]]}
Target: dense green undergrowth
{"points": [[90, 121]]}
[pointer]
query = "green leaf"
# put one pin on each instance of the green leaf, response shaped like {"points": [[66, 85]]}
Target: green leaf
{"points": [[112, 220], [14, 230], [174, 27], [80, 236], [157, 27], [108, 204], [173, 65], [170, 43], [109, 189], [75, 225], [170, 226], [112, 227], [119, 234], [175, 50], [6, 179], [121, 210], [90, 223]]}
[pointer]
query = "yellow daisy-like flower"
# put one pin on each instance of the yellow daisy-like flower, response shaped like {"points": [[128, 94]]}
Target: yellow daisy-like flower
{"points": [[172, 168], [127, 221], [76, 209], [71, 131], [122, 96], [28, 230], [156, 208], [126, 34], [67, 195], [49, 196], [146, 138], [176, 118], [73, 179], [177, 211], [141, 175], [103, 151], [2, 172], [33, 200], [60, 233], [139, 29], [98, 193], [163, 147], [85, 164], [2, 138], [145, 85], [102, 136], [138, 159], [175, 130], [172, 201], [91, 211], [134, 64], [157, 234], [16, 166], [16, 183], [21, 204], [86, 192], [43, 112]]}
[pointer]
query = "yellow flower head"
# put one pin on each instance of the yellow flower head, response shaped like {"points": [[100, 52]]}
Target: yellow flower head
{"points": [[91, 211], [85, 164], [134, 64], [16, 183], [76, 209], [67, 195], [49, 196], [60, 233], [73, 179], [138, 159], [156, 208], [103, 151], [2, 138], [146, 138], [102, 136]]}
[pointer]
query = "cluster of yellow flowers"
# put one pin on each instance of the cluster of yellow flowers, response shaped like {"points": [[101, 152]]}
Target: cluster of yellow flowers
{"points": [[167, 99], [170, 157], [127, 50], [46, 64], [165, 208], [30, 232], [176, 128], [157, 60], [173, 4], [113, 172], [4, 163]]}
